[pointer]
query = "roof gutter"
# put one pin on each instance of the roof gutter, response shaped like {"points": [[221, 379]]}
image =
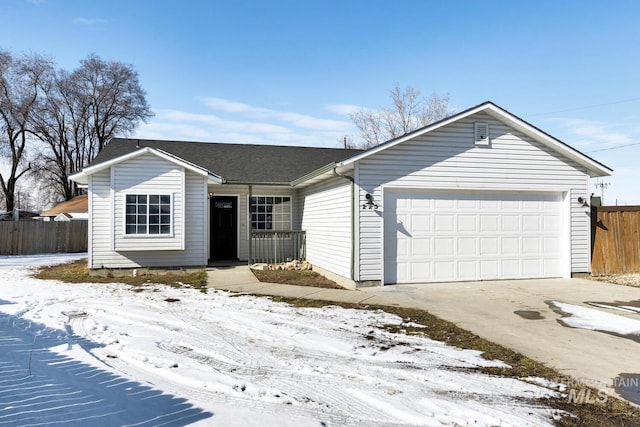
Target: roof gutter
{"points": [[353, 220], [315, 173]]}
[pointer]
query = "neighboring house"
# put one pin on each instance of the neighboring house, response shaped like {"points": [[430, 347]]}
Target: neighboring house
{"points": [[479, 195], [22, 215], [71, 210]]}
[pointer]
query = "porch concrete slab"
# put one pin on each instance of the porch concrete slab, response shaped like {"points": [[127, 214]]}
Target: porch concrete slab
{"points": [[229, 276]]}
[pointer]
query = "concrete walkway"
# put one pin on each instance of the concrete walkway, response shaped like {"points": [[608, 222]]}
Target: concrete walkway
{"points": [[515, 314]]}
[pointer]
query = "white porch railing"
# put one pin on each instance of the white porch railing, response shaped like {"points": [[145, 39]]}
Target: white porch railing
{"points": [[273, 247]]}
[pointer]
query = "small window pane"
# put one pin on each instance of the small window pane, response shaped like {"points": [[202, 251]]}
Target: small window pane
{"points": [[131, 198], [165, 199], [142, 200], [154, 198], [270, 212]]}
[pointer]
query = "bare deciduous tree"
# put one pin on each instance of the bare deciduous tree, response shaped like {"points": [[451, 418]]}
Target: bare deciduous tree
{"points": [[116, 101], [79, 113], [409, 111], [20, 81]]}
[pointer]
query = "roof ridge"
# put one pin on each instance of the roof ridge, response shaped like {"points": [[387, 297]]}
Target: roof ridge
{"points": [[140, 140]]}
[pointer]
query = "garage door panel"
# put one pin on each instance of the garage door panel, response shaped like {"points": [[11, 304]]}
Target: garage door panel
{"points": [[440, 236], [488, 223], [444, 223], [420, 224], [510, 204], [467, 223], [444, 203], [443, 269], [467, 246], [489, 246], [531, 245], [421, 269], [444, 246], [467, 270], [510, 245], [489, 269], [531, 267], [420, 247], [510, 267], [552, 223], [552, 244], [464, 204], [509, 223]]}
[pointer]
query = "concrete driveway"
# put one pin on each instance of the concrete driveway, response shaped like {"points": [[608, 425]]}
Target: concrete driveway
{"points": [[517, 315]]}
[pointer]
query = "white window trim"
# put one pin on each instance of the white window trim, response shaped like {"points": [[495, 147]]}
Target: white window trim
{"points": [[250, 222], [147, 235]]}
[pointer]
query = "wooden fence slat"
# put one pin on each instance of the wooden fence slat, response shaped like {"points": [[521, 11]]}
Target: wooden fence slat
{"points": [[615, 241], [34, 237]]}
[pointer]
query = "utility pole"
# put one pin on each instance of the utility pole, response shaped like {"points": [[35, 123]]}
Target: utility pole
{"points": [[602, 186]]}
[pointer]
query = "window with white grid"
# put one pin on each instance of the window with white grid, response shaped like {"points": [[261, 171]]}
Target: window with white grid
{"points": [[148, 214], [270, 212]]}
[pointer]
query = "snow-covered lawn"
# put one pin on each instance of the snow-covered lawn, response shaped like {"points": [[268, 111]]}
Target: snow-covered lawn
{"points": [[95, 354]]}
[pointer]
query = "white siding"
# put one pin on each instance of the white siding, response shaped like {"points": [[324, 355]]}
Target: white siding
{"points": [[326, 210], [242, 191], [148, 174], [106, 232], [447, 158]]}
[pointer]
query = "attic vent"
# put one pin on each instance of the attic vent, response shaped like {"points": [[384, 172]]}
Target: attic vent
{"points": [[481, 133]]}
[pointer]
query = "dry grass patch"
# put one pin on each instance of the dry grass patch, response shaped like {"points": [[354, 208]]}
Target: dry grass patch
{"points": [[78, 272], [296, 277]]}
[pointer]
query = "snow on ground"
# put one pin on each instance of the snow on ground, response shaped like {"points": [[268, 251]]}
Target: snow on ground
{"points": [[598, 320], [73, 354]]}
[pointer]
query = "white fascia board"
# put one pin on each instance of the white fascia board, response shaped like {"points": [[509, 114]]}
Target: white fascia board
{"points": [[594, 168], [82, 177], [318, 172]]}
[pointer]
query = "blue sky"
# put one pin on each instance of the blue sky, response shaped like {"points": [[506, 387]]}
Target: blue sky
{"points": [[289, 72]]}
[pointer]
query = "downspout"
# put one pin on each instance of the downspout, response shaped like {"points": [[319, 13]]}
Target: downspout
{"points": [[353, 221], [248, 219]]}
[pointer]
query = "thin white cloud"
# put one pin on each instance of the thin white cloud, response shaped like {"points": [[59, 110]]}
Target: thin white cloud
{"points": [[343, 109], [222, 124], [182, 125], [298, 120], [89, 21], [590, 134]]}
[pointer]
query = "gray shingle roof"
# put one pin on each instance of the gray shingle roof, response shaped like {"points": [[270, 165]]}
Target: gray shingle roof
{"points": [[237, 162]]}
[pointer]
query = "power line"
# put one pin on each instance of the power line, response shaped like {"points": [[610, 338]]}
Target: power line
{"points": [[613, 148], [586, 107]]}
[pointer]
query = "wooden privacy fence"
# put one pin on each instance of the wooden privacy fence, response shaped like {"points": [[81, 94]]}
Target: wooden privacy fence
{"points": [[615, 240], [37, 237]]}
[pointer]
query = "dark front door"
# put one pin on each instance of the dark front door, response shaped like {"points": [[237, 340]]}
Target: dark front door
{"points": [[224, 228]]}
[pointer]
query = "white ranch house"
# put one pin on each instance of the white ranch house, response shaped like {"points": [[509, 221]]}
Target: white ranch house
{"points": [[480, 195]]}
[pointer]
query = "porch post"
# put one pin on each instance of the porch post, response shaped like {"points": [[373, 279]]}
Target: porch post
{"points": [[250, 257]]}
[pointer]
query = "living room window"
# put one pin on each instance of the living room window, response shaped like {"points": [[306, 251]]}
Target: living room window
{"points": [[148, 214], [270, 212]]}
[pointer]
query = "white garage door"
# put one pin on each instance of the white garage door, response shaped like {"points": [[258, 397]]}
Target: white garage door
{"points": [[455, 236]]}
